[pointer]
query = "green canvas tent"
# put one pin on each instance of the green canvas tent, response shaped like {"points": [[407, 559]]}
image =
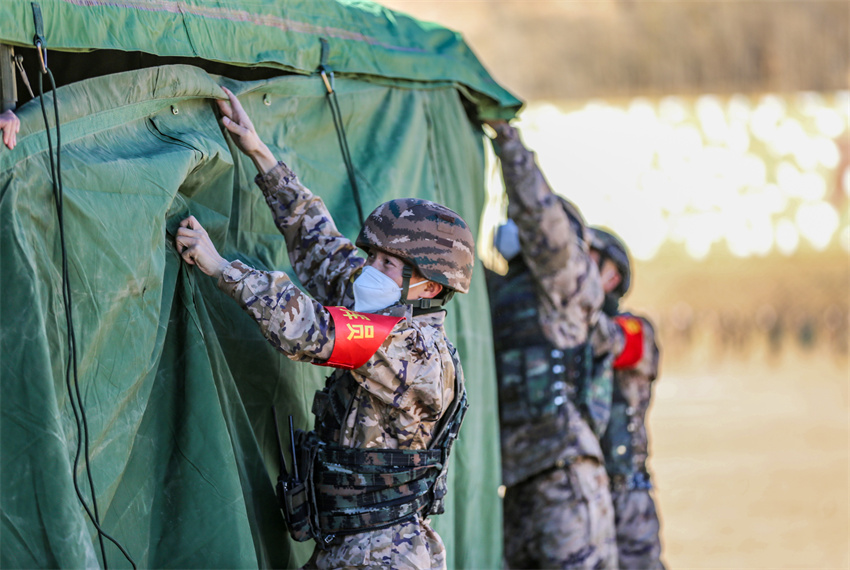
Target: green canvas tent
{"points": [[174, 384]]}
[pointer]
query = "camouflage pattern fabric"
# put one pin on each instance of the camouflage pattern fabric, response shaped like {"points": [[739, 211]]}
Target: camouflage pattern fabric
{"points": [[402, 391], [564, 518], [408, 545], [561, 519], [638, 541], [606, 337]]}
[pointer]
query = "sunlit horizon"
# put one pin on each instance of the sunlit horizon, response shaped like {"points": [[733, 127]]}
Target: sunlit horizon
{"points": [[752, 174]]}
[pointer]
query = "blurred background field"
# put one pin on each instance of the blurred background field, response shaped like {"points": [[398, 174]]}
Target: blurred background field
{"points": [[714, 137]]}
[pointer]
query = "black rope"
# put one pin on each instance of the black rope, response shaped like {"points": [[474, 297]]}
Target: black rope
{"points": [[346, 154], [328, 77], [71, 367]]}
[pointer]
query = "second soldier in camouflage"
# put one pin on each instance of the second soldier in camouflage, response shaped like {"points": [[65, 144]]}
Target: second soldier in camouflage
{"points": [[558, 511]]}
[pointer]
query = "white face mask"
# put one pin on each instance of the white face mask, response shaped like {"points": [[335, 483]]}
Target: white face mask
{"points": [[374, 291], [506, 240]]}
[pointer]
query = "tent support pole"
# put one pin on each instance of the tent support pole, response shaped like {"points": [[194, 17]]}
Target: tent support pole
{"points": [[8, 87]]}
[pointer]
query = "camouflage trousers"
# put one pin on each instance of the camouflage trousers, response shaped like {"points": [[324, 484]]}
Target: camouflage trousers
{"points": [[413, 545], [561, 519], [638, 544]]}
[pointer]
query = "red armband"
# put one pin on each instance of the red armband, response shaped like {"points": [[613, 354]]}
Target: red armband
{"points": [[358, 336], [633, 347]]}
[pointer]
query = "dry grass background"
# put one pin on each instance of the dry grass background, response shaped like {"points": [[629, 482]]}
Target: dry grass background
{"points": [[543, 49], [750, 430], [750, 427]]}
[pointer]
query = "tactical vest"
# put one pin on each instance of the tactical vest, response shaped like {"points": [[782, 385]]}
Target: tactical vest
{"points": [[336, 490], [535, 377], [596, 394], [618, 446], [617, 440]]}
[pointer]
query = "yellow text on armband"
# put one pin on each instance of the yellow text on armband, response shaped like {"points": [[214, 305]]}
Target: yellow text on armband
{"points": [[349, 314], [359, 332], [631, 325]]}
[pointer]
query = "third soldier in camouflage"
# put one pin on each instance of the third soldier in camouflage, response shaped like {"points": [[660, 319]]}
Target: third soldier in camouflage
{"points": [[625, 442]]}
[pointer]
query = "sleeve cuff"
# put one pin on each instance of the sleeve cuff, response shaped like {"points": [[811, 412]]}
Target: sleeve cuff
{"points": [[274, 176], [234, 273]]}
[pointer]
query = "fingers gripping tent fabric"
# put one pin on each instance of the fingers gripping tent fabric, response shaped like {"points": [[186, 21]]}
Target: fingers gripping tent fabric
{"points": [[176, 381]]}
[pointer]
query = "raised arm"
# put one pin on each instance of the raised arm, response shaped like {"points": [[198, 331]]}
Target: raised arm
{"points": [[552, 242], [322, 258], [547, 236]]}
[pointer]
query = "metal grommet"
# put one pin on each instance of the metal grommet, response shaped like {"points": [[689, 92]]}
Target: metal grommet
{"points": [[267, 101], [174, 110]]}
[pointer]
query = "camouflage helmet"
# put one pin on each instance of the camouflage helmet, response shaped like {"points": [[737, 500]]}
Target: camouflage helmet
{"points": [[611, 246], [430, 237]]}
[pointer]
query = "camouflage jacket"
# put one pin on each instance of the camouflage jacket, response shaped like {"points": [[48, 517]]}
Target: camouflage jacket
{"points": [[633, 393], [569, 290], [403, 389]]}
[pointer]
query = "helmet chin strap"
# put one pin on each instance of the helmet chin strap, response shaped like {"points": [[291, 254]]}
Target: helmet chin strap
{"points": [[406, 274]]}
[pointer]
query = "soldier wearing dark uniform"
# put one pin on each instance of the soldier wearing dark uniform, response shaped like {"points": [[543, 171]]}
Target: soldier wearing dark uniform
{"points": [[625, 442], [374, 468], [548, 332]]}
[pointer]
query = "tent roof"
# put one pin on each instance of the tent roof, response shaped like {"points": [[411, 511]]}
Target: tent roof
{"points": [[364, 38]]}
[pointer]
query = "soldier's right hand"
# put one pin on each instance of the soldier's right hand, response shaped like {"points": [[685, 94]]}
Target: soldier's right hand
{"points": [[10, 124], [196, 248], [243, 133], [502, 129]]}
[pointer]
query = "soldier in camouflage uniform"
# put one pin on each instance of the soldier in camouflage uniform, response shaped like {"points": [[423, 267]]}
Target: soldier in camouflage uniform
{"points": [[625, 442], [386, 402], [557, 504]]}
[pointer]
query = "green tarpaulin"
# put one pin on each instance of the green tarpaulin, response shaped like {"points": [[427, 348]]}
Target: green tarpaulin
{"points": [[176, 381]]}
